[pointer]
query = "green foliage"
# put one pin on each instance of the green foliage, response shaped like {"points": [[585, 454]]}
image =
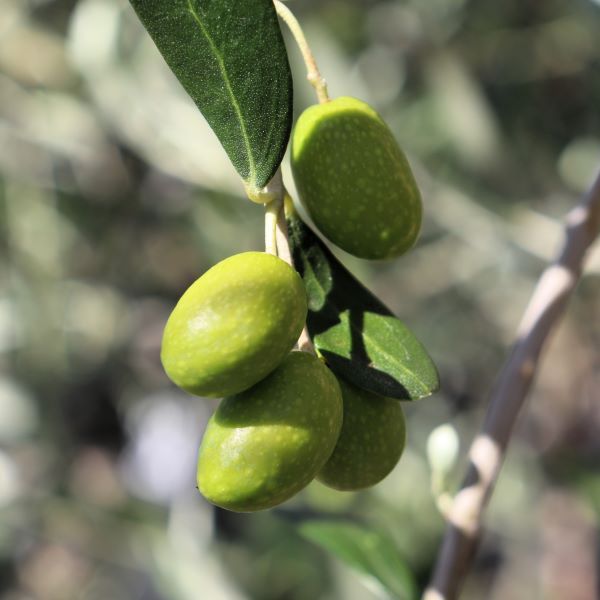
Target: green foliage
{"points": [[234, 325], [354, 331], [371, 554], [230, 58], [354, 179], [264, 445]]}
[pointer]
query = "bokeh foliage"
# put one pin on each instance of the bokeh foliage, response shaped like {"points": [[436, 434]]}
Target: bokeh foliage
{"points": [[115, 195]]}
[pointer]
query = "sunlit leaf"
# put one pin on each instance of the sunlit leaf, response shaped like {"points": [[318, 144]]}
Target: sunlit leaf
{"points": [[368, 552], [230, 58], [355, 332]]}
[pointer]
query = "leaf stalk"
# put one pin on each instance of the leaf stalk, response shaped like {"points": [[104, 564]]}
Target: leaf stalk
{"points": [[312, 70]]}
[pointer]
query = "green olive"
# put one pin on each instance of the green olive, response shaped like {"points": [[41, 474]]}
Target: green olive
{"points": [[264, 445], [370, 443], [234, 325], [354, 180]]}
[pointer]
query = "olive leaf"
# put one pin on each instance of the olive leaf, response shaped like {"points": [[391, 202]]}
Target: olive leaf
{"points": [[372, 554], [230, 58], [358, 336]]}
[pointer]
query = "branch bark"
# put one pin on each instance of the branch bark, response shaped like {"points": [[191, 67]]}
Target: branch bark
{"points": [[488, 450]]}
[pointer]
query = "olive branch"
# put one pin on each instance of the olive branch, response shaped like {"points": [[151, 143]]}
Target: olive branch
{"points": [[488, 450]]}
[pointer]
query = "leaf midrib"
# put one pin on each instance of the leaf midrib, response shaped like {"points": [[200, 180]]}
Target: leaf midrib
{"points": [[383, 352], [229, 89]]}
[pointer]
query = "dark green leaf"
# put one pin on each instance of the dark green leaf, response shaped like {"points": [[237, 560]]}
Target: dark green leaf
{"points": [[230, 58], [372, 554], [356, 333]]}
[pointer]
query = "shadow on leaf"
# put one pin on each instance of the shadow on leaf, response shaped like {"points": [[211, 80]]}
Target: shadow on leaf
{"points": [[343, 314]]}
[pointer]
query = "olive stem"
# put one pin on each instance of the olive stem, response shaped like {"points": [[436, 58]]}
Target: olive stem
{"points": [[283, 241], [277, 241], [443, 499], [283, 245], [487, 452], [312, 70], [272, 209]]}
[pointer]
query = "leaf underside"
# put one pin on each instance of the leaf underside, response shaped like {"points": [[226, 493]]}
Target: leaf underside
{"points": [[359, 337], [230, 58], [370, 553]]}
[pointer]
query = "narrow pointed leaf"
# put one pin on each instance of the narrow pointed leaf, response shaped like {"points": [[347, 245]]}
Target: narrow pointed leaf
{"points": [[354, 331], [370, 553], [230, 57]]}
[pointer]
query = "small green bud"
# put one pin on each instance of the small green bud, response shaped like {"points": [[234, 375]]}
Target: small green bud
{"points": [[442, 448]]}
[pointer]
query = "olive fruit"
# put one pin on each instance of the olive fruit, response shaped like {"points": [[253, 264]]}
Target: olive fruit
{"points": [[267, 443], [234, 325], [370, 443], [354, 180]]}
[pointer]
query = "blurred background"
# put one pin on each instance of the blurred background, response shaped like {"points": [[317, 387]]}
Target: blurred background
{"points": [[115, 196]]}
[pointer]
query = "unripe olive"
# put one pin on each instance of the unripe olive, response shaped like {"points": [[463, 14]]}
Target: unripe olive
{"points": [[371, 440], [267, 443], [354, 179], [234, 325]]}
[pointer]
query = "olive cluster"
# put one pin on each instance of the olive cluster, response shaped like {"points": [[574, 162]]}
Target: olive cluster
{"points": [[286, 419]]}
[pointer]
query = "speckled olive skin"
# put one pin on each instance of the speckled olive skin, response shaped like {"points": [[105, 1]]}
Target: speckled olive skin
{"points": [[264, 445], [371, 441], [354, 179], [234, 325]]}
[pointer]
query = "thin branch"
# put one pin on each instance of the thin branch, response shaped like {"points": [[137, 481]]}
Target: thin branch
{"points": [[312, 70], [281, 232], [272, 209], [277, 241], [489, 448], [271, 213], [283, 244]]}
